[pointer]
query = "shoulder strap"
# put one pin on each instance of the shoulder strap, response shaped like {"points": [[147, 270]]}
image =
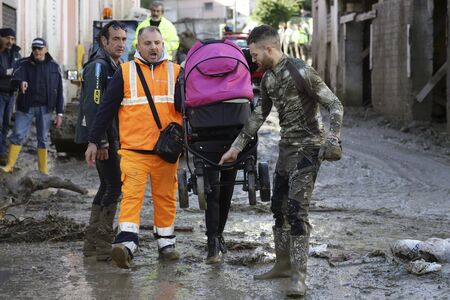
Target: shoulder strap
{"points": [[149, 96], [299, 81]]}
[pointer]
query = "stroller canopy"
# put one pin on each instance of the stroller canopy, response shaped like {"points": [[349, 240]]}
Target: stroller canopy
{"points": [[215, 71]]}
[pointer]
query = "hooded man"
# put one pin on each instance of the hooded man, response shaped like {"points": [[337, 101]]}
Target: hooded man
{"points": [[138, 131]]}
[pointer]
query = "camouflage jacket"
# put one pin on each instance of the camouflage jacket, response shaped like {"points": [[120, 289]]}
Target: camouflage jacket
{"points": [[299, 115]]}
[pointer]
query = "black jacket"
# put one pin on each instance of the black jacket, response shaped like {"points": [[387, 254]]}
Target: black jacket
{"points": [[97, 73], [8, 59], [26, 71]]}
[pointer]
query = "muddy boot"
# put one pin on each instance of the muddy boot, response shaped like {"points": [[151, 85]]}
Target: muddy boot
{"points": [[105, 233], [222, 245], [299, 258], [43, 160], [122, 256], [91, 231], [214, 255], [169, 253], [13, 154], [282, 267]]}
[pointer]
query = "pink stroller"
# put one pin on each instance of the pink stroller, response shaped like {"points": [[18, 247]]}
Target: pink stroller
{"points": [[217, 102]]}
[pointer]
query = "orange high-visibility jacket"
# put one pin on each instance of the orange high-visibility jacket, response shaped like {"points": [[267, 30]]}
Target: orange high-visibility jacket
{"points": [[137, 126]]}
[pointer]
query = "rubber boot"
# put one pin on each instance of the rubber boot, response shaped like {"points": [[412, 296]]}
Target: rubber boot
{"points": [[299, 247], [169, 253], [121, 255], [222, 244], [282, 267], [105, 233], [214, 255], [91, 231], [13, 154], [42, 160]]}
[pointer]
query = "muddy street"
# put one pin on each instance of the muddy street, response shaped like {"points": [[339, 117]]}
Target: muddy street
{"points": [[390, 184]]}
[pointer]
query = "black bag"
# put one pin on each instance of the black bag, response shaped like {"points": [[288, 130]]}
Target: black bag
{"points": [[170, 142]]}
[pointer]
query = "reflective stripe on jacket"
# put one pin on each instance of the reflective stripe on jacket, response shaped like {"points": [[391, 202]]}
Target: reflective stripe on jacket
{"points": [[137, 127]]}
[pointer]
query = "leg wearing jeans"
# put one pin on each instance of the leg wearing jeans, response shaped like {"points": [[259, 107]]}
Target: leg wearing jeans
{"points": [[43, 123], [22, 125], [6, 108]]}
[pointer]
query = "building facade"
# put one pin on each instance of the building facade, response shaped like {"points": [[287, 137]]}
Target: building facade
{"points": [[389, 54]]}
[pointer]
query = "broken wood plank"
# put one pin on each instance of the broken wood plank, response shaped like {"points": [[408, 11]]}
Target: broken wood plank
{"points": [[371, 14], [432, 83], [347, 18]]}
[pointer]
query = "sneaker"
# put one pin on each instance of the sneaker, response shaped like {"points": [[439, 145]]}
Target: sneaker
{"points": [[169, 253], [121, 256]]}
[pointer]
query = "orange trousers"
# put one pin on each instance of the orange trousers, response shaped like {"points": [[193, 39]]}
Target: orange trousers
{"points": [[136, 168]]}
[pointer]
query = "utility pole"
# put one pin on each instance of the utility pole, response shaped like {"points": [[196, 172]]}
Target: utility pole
{"points": [[234, 17]]}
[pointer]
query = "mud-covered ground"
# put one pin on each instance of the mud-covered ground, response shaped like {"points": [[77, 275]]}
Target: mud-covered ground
{"points": [[392, 183]]}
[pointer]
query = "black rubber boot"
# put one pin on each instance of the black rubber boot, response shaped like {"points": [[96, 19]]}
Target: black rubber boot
{"points": [[214, 255], [105, 233], [299, 248], [282, 267], [89, 245], [222, 245]]}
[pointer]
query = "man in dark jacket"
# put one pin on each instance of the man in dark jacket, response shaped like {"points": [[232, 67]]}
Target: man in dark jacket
{"points": [[41, 93], [8, 57], [97, 73]]}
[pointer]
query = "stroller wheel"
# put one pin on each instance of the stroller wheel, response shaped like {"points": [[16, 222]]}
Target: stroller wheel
{"points": [[201, 192], [251, 177], [264, 181], [183, 197]]}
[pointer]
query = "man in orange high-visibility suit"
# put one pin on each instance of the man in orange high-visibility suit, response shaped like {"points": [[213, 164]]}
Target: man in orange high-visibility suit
{"points": [[138, 133]]}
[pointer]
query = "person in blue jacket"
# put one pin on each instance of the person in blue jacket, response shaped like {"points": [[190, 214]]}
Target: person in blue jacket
{"points": [[41, 93]]}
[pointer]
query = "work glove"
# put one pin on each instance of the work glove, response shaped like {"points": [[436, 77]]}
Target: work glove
{"points": [[331, 150]]}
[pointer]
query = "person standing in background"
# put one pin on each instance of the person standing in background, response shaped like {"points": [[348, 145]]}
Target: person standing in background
{"points": [[167, 29], [41, 93], [9, 55]]}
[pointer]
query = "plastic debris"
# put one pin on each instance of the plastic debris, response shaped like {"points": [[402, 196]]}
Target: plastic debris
{"points": [[420, 267]]}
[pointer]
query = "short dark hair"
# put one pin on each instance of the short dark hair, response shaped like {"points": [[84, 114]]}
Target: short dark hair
{"points": [[105, 30], [264, 33], [148, 28]]}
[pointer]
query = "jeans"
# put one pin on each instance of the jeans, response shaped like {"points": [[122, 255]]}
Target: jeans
{"points": [[218, 200], [22, 124], [6, 109], [109, 173]]}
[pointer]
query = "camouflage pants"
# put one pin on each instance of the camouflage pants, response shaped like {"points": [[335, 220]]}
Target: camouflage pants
{"points": [[293, 184]]}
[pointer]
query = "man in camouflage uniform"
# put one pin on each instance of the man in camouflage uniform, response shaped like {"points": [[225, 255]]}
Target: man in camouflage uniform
{"points": [[301, 149]]}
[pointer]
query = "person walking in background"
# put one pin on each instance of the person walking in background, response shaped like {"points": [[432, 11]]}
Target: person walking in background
{"points": [[287, 38], [281, 29], [301, 148], [41, 93], [9, 55], [138, 131], [96, 74], [167, 29]]}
